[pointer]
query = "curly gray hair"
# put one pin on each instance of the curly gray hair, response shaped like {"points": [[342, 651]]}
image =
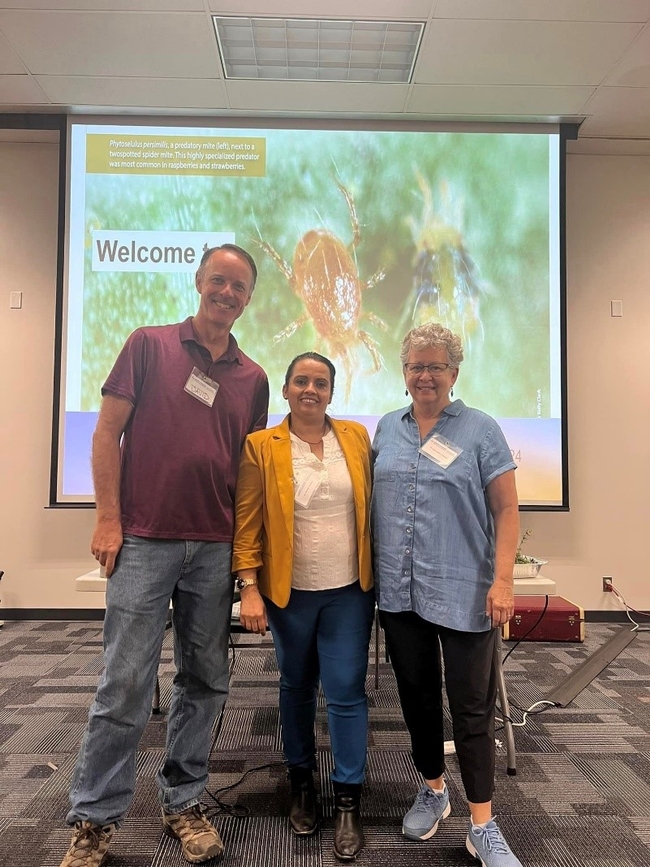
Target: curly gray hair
{"points": [[436, 336]]}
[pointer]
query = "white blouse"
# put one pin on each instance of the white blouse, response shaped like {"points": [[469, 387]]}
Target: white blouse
{"points": [[324, 535]]}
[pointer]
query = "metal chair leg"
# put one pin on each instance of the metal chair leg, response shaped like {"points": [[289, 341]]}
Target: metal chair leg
{"points": [[505, 708], [155, 704]]}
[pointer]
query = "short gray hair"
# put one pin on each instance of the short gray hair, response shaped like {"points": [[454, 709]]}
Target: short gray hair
{"points": [[436, 336], [232, 248]]}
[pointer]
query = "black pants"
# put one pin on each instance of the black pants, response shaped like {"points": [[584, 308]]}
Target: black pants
{"points": [[413, 645]]}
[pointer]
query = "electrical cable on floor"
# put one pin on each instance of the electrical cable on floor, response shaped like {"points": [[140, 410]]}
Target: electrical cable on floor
{"points": [[531, 710], [221, 807], [526, 713], [628, 608], [236, 810]]}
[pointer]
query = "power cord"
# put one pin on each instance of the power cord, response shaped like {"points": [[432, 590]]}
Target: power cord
{"points": [[526, 634], [531, 710], [236, 810], [628, 608], [220, 807], [526, 713]]}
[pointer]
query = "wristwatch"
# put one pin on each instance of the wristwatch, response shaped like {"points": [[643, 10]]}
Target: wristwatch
{"points": [[240, 583]]}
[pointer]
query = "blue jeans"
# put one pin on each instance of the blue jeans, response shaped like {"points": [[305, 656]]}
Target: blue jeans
{"points": [[324, 633], [196, 576]]}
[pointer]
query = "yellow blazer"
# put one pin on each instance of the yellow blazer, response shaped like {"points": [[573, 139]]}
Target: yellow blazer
{"points": [[264, 505]]}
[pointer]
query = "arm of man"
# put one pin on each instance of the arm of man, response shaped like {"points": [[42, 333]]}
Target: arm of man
{"points": [[107, 537], [504, 506]]}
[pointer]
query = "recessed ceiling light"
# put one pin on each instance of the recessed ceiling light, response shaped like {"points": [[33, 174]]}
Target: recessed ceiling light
{"points": [[317, 50]]}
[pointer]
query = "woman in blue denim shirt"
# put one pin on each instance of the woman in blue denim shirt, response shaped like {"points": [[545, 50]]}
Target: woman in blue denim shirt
{"points": [[445, 526]]}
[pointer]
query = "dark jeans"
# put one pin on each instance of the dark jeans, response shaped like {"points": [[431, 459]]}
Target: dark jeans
{"points": [[324, 634], [414, 645]]}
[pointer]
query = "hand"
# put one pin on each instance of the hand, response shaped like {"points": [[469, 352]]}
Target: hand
{"points": [[500, 603], [106, 543], [252, 611]]}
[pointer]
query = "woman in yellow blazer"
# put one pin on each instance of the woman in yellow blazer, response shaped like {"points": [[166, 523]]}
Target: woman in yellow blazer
{"points": [[302, 556]]}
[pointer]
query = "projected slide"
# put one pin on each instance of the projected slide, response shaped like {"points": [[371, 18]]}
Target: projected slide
{"points": [[358, 236]]}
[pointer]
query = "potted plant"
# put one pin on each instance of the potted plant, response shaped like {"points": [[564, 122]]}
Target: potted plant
{"points": [[525, 566]]}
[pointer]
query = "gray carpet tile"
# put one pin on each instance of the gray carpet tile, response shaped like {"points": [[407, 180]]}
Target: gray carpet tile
{"points": [[581, 796]]}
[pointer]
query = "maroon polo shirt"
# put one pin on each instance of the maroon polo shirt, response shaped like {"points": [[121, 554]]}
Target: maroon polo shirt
{"points": [[180, 457]]}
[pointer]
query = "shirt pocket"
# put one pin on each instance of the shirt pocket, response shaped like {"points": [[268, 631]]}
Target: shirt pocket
{"points": [[389, 480], [457, 475]]}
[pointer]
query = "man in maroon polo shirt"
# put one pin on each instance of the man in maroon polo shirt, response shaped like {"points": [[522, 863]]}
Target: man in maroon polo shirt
{"points": [[176, 409]]}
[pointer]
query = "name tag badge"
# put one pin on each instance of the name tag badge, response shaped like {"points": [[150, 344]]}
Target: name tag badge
{"points": [[306, 488], [201, 387], [441, 451]]}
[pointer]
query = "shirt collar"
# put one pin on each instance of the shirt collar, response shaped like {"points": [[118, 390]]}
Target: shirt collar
{"points": [[188, 334], [454, 408]]}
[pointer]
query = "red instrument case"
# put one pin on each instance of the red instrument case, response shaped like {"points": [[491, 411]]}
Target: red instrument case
{"points": [[563, 620]]}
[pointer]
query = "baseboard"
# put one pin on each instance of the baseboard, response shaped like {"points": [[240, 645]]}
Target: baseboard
{"points": [[613, 617], [51, 613]]}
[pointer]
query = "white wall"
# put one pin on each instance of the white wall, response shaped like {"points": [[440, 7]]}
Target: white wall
{"points": [[608, 257], [605, 533], [41, 550]]}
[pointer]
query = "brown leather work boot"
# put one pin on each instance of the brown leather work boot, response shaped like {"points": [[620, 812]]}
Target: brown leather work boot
{"points": [[199, 838], [89, 845]]}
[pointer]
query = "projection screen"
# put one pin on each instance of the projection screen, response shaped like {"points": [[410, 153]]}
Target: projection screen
{"points": [[460, 227]]}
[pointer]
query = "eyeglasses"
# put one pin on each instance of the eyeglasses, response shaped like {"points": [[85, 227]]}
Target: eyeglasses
{"points": [[434, 369]]}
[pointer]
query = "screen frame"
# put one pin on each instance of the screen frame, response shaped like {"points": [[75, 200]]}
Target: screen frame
{"points": [[566, 132]]}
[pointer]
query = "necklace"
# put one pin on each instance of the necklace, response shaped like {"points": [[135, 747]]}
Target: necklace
{"points": [[311, 442]]}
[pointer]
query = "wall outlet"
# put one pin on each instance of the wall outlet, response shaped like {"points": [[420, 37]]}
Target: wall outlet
{"points": [[608, 585]]}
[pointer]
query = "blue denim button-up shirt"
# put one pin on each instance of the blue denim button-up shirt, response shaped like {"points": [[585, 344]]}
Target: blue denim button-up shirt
{"points": [[433, 533]]}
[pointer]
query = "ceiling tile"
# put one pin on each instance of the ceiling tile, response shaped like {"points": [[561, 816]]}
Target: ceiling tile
{"points": [[633, 70], [363, 9], [316, 97], [88, 43], [545, 10], [540, 52], [111, 5], [618, 111], [9, 61], [20, 90], [176, 93], [499, 101]]}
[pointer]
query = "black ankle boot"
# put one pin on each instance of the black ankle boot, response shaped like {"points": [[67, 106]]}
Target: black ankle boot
{"points": [[302, 810], [348, 833]]}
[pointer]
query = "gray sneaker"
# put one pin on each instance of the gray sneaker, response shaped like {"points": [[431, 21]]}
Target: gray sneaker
{"points": [[421, 821], [89, 845], [488, 846], [199, 839]]}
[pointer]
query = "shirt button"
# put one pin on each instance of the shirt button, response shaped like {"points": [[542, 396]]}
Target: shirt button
{"points": [[407, 550], [411, 487], [410, 509], [408, 530]]}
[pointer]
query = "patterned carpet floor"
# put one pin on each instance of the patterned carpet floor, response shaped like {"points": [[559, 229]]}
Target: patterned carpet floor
{"points": [[581, 796]]}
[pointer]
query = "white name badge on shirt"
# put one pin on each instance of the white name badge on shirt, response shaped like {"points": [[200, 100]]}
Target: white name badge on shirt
{"points": [[306, 488], [200, 386], [441, 451]]}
